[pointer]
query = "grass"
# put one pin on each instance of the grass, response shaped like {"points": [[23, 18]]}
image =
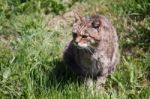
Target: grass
{"points": [[31, 64]]}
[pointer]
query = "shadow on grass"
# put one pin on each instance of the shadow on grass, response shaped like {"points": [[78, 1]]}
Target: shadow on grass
{"points": [[60, 76]]}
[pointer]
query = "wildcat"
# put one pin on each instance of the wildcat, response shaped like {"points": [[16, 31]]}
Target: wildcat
{"points": [[93, 52]]}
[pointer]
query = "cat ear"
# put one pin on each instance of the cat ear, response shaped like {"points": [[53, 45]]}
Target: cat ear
{"points": [[96, 23], [99, 22], [77, 17]]}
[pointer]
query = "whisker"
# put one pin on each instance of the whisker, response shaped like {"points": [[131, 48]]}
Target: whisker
{"points": [[90, 50]]}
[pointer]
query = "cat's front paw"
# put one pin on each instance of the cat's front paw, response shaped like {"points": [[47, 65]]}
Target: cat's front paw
{"points": [[100, 81]]}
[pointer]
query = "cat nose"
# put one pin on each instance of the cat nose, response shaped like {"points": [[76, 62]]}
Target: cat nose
{"points": [[78, 39]]}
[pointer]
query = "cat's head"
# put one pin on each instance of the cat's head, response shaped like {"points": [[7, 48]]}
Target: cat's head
{"points": [[85, 31]]}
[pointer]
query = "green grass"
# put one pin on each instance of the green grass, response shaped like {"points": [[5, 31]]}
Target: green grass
{"points": [[31, 51]]}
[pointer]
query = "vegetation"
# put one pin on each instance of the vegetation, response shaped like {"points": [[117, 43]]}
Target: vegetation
{"points": [[31, 50]]}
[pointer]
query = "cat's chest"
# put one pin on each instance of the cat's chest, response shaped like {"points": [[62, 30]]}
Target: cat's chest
{"points": [[87, 62], [84, 57]]}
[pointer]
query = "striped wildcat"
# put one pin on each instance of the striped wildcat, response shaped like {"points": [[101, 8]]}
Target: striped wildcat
{"points": [[93, 51]]}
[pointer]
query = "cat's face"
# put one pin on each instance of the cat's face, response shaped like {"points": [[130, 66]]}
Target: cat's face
{"points": [[84, 33]]}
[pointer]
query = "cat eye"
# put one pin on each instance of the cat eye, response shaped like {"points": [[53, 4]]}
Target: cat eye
{"points": [[84, 36]]}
